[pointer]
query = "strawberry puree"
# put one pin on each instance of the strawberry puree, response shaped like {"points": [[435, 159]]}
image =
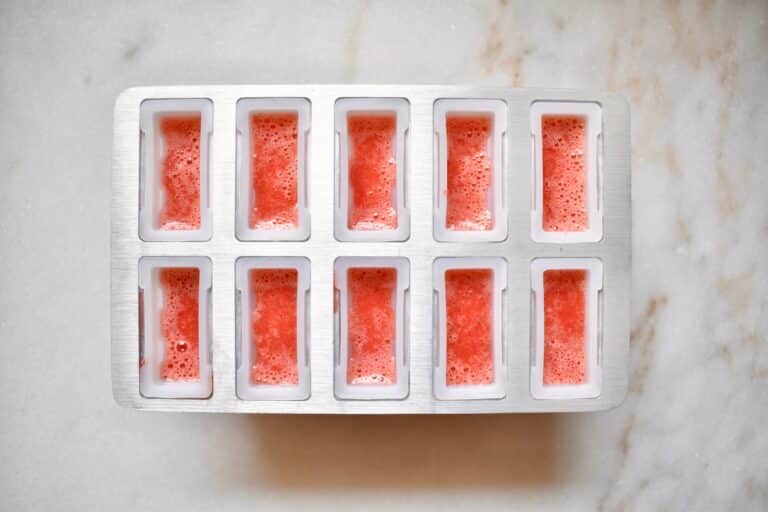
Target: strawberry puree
{"points": [[564, 326], [469, 173], [179, 323], [371, 325], [564, 143], [274, 171], [273, 326], [469, 331], [181, 173], [372, 172]]}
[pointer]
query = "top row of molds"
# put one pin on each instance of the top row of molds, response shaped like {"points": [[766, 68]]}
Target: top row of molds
{"points": [[370, 170], [567, 149], [174, 170], [470, 198], [470, 203]]}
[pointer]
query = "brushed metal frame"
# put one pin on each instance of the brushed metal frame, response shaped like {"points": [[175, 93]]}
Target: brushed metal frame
{"points": [[322, 249]]}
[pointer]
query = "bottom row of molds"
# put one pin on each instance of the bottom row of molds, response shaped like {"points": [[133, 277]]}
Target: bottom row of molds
{"points": [[566, 327], [175, 327], [469, 328], [272, 349], [371, 326]]}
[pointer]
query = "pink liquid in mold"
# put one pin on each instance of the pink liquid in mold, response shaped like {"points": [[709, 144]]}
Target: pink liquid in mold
{"points": [[469, 173], [179, 323], [564, 143], [469, 329], [371, 325], [181, 173], [372, 172], [565, 326], [273, 326], [274, 171]]}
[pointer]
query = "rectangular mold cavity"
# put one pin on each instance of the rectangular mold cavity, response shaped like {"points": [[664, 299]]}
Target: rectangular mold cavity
{"points": [[470, 197], [565, 328], [272, 177], [371, 340], [272, 328], [469, 357], [371, 170], [174, 170], [567, 146], [175, 330]]}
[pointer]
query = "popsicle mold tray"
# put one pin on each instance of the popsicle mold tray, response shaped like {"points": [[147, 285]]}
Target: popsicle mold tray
{"points": [[370, 249]]}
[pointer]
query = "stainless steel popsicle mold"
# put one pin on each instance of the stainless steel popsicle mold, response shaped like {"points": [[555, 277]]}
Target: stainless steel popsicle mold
{"points": [[420, 248]]}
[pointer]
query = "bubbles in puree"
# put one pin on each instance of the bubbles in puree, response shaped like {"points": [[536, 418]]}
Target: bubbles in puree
{"points": [[469, 173], [371, 325], [181, 173], [565, 326], [274, 170], [273, 326], [469, 329], [564, 143], [179, 323], [372, 171]]}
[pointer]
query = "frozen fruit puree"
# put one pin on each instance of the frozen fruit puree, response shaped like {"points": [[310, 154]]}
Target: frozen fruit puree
{"points": [[179, 323], [469, 329], [564, 326], [274, 170], [371, 325], [564, 142], [469, 173], [372, 171], [181, 172], [273, 326]]}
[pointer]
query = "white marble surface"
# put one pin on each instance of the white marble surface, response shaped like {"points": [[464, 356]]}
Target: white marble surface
{"points": [[691, 434]]}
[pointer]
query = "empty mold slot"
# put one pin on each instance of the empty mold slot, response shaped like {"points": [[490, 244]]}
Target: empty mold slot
{"points": [[468, 333], [567, 142], [175, 170], [470, 168], [174, 308], [272, 176], [370, 202], [372, 325], [273, 328], [566, 327]]}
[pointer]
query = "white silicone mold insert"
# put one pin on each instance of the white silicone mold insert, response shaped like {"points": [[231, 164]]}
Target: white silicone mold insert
{"points": [[246, 153], [152, 344], [344, 109], [397, 303], [152, 195], [591, 113], [495, 389], [592, 384], [246, 356], [496, 110]]}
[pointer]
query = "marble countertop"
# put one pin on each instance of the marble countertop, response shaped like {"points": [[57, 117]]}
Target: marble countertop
{"points": [[690, 435]]}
